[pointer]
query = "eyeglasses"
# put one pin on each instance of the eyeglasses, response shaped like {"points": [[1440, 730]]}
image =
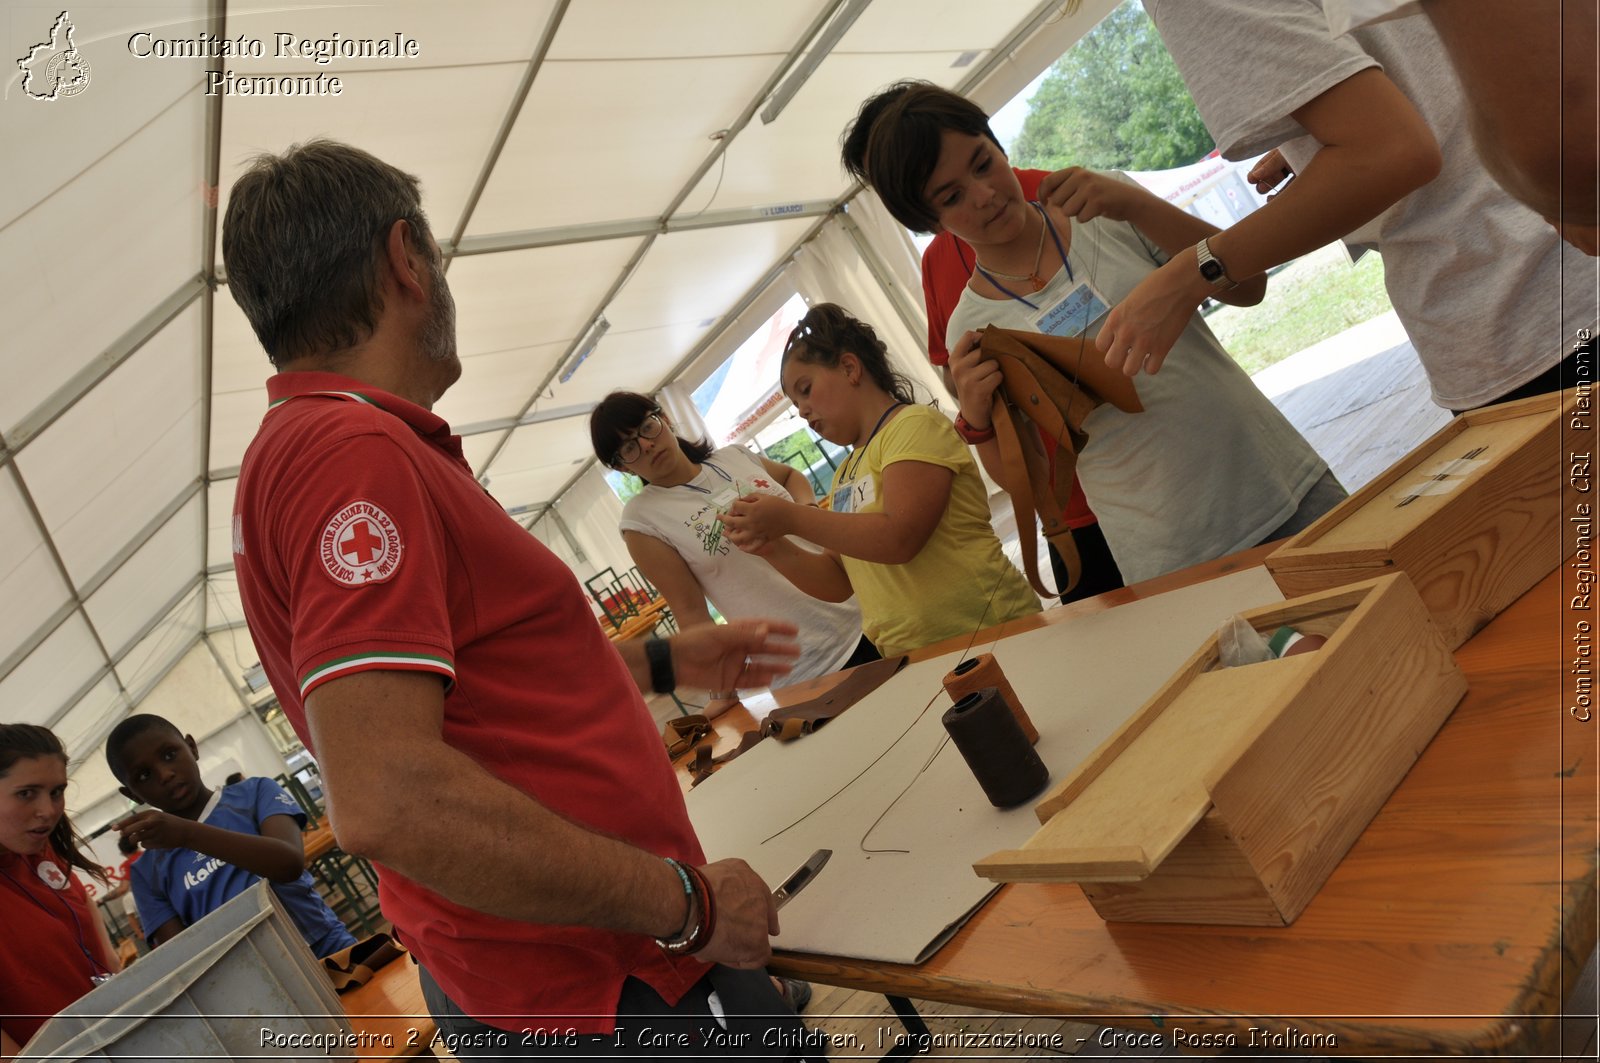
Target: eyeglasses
{"points": [[629, 450]]}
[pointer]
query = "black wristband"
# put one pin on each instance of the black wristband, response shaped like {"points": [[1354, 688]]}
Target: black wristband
{"points": [[659, 653]]}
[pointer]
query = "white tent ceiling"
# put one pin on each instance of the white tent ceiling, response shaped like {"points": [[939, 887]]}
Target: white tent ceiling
{"points": [[576, 156]]}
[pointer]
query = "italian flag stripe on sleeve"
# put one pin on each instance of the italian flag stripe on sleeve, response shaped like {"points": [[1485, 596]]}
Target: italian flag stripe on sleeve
{"points": [[364, 662]]}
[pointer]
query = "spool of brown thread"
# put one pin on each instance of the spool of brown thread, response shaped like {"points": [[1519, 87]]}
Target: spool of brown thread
{"points": [[985, 731], [974, 674]]}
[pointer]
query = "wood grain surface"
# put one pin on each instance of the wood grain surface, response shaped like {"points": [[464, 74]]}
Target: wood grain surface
{"points": [[1455, 923]]}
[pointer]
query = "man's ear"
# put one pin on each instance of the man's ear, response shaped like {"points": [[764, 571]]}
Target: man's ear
{"points": [[405, 258], [194, 747]]}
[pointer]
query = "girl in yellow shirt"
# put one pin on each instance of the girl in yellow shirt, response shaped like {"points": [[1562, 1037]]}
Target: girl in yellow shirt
{"points": [[909, 532]]}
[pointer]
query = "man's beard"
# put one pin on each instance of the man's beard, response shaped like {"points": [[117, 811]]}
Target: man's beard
{"points": [[438, 338]]}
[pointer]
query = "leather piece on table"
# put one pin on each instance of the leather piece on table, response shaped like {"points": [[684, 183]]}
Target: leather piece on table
{"points": [[787, 724]]}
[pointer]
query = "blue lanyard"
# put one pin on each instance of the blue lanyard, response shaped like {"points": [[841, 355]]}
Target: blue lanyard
{"points": [[854, 460], [1054, 236], [714, 468]]}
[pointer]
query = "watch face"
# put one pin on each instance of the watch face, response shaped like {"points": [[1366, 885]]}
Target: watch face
{"points": [[1211, 269]]}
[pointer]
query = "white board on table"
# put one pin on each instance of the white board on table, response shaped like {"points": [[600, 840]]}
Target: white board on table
{"points": [[900, 809]]}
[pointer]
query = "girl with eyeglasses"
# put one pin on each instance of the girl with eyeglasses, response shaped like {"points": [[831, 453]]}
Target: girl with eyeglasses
{"points": [[909, 530], [671, 531], [54, 948]]}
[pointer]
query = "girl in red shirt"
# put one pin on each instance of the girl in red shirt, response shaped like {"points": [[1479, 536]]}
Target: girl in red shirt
{"points": [[55, 949]]}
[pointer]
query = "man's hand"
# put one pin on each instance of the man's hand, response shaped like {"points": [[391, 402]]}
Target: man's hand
{"points": [[156, 830], [976, 377], [1142, 328], [742, 654], [1085, 195], [746, 916]]}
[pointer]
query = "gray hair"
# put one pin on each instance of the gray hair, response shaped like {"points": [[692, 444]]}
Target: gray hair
{"points": [[303, 244]]}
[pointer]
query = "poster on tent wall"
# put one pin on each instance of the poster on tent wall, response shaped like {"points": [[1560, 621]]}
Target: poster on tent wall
{"points": [[744, 393]]}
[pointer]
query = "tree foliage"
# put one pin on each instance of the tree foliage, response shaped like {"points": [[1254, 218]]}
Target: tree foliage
{"points": [[1114, 101]]}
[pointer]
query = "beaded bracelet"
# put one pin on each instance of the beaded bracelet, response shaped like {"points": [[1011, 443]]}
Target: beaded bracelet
{"points": [[708, 910], [693, 928]]}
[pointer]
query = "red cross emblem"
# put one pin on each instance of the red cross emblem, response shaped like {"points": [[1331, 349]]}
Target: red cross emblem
{"points": [[360, 545], [759, 482]]}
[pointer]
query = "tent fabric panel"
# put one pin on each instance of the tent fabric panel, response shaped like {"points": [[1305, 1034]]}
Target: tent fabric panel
{"points": [[47, 679], [75, 277], [109, 465], [520, 298], [219, 521], [632, 361], [224, 606], [796, 158], [30, 581], [658, 117], [82, 731], [124, 95], [592, 512], [143, 665], [156, 573], [498, 385], [411, 118], [238, 361], [464, 33], [538, 453], [235, 416], [626, 29], [674, 285]]}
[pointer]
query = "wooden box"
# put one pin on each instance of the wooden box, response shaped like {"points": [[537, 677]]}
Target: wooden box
{"points": [[1472, 516], [1232, 794]]}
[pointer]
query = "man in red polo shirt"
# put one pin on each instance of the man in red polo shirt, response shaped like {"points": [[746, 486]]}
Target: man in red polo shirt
{"points": [[480, 739]]}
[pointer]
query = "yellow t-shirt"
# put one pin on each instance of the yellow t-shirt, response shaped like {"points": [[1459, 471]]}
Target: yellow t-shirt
{"points": [[960, 581]]}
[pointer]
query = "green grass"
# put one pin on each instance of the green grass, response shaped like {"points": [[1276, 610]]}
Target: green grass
{"points": [[1317, 296]]}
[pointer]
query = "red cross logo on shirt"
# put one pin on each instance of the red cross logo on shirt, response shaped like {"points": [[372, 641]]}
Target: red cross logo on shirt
{"points": [[762, 483], [360, 545]]}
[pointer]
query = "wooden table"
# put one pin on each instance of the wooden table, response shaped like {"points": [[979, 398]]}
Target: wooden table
{"points": [[390, 1012], [641, 623], [1457, 923]]}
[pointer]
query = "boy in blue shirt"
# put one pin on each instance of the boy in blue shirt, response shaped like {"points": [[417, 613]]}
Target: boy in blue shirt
{"points": [[206, 847]]}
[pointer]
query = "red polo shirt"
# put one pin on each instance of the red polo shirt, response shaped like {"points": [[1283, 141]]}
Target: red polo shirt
{"points": [[362, 541], [946, 268], [49, 927]]}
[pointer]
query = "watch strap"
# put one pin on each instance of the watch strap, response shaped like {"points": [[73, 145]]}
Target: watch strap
{"points": [[1212, 271], [659, 655]]}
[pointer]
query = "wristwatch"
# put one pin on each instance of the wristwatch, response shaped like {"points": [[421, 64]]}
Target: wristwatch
{"points": [[1212, 269], [658, 652]]}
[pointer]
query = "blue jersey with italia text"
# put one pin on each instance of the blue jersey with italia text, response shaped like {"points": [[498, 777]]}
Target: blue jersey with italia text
{"points": [[182, 883]]}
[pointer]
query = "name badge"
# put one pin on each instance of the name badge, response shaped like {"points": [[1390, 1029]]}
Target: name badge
{"points": [[721, 500], [1072, 316], [851, 497]]}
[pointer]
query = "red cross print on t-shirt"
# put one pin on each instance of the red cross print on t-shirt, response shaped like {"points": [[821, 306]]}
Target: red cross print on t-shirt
{"points": [[761, 483], [361, 544]]}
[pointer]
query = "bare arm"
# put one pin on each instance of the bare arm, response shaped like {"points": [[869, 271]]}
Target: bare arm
{"points": [[164, 932], [102, 939], [1086, 195], [819, 575], [1518, 69], [1376, 150], [440, 828], [9, 1049], [275, 854], [664, 567], [793, 480]]}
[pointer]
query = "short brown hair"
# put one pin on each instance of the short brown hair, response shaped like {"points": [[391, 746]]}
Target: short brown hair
{"points": [[303, 244], [893, 144]]}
